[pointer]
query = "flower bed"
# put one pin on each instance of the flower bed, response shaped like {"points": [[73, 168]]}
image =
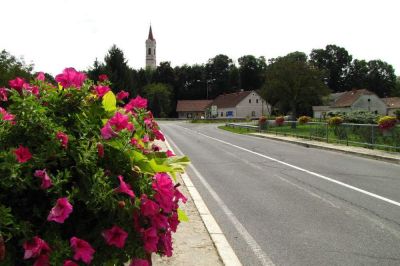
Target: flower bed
{"points": [[387, 122], [304, 119], [335, 121], [279, 120], [81, 180]]}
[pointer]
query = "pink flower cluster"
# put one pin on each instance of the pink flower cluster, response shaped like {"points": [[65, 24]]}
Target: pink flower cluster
{"points": [[159, 216], [6, 116], [19, 84], [137, 103], [115, 124], [71, 78]]}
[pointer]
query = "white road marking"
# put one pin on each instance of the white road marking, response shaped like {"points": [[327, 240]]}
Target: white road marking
{"points": [[304, 170], [251, 242]]}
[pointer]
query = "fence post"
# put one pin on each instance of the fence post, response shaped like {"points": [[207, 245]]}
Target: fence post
{"points": [[327, 132], [372, 137]]}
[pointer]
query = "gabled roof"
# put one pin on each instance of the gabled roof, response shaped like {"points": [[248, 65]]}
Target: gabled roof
{"points": [[392, 102], [231, 99], [192, 105], [150, 34], [349, 97]]}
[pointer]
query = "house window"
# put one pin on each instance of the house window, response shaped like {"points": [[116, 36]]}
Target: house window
{"points": [[149, 51], [249, 100], [189, 115], [256, 100], [253, 113], [222, 114]]}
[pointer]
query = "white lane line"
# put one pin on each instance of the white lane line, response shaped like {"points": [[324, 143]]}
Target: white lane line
{"points": [[304, 170], [251, 242]]}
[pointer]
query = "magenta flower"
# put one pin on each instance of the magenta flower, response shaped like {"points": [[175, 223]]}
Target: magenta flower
{"points": [[136, 103], [103, 77], [6, 116], [69, 263], [173, 221], [170, 153], [122, 95], [148, 207], [146, 138], [159, 135], [63, 138], [40, 76], [124, 187], [46, 181], [71, 78], [3, 95], [35, 248], [83, 250], [17, 83], [179, 196], [160, 221], [100, 150], [164, 189], [139, 262], [107, 132], [115, 236], [61, 211], [119, 121], [150, 239], [22, 153], [165, 244], [101, 90]]}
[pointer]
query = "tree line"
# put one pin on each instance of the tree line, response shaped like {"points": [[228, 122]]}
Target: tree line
{"points": [[291, 83]]}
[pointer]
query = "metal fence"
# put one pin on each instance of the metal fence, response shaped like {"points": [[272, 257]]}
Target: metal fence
{"points": [[362, 135]]}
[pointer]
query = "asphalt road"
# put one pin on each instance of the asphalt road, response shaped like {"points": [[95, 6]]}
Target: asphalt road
{"points": [[284, 204]]}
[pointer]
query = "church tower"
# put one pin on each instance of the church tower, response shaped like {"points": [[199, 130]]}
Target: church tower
{"points": [[151, 51]]}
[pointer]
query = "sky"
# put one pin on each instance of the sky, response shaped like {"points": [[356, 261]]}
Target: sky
{"points": [[54, 34]]}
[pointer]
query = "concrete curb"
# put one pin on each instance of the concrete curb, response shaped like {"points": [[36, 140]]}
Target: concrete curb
{"points": [[222, 245], [323, 147]]}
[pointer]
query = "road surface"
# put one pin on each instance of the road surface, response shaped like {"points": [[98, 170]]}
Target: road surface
{"points": [[284, 204]]}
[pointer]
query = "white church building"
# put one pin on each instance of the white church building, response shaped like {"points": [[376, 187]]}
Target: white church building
{"points": [[151, 62]]}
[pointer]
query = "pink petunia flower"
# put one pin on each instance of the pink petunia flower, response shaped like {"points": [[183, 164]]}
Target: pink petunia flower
{"points": [[139, 262], [115, 236], [40, 76], [150, 239], [165, 244], [3, 95], [179, 196], [101, 91], [83, 250], [119, 121], [35, 248], [124, 187], [122, 95], [107, 132], [159, 135], [170, 153], [17, 84], [146, 138], [22, 153], [173, 221], [103, 77], [148, 207], [100, 150], [137, 103], [164, 189], [61, 211], [63, 138], [71, 78], [160, 221], [46, 181], [6, 116], [69, 263]]}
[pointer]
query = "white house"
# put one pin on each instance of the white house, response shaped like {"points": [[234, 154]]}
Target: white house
{"points": [[393, 104], [240, 105]]}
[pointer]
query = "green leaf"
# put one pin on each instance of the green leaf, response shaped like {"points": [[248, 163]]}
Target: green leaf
{"points": [[109, 102], [182, 217]]}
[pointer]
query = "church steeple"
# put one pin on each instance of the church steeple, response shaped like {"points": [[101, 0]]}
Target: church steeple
{"points": [[151, 51]]}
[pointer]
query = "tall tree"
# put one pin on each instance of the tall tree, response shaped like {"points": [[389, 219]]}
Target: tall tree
{"points": [[11, 67], [117, 69], [381, 78], [358, 75], [292, 84], [164, 73], [335, 61], [218, 71], [96, 70], [251, 71], [159, 99]]}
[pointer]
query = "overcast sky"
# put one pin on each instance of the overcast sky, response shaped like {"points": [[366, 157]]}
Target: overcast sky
{"points": [[55, 34]]}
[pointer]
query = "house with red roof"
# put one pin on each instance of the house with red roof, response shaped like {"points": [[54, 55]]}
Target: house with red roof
{"points": [[393, 104], [193, 109], [242, 104], [354, 100]]}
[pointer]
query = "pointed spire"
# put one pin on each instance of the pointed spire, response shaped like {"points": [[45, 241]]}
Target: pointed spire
{"points": [[150, 34]]}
